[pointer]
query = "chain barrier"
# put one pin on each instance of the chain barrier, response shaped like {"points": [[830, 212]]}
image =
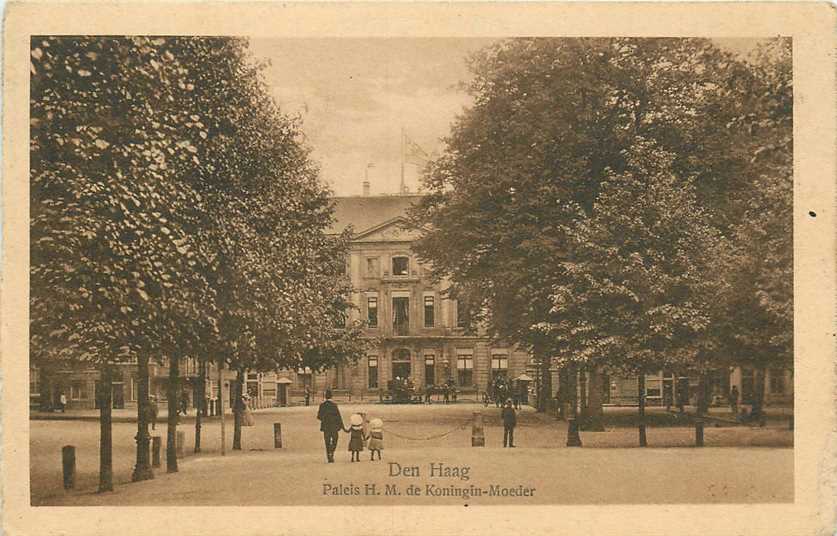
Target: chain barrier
{"points": [[435, 436]]}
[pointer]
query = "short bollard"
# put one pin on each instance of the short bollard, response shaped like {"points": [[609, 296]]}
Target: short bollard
{"points": [[477, 431], [68, 462], [180, 443], [698, 432], [277, 435], [156, 446]]}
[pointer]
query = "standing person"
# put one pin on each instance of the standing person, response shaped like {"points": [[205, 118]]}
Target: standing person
{"points": [[376, 438], [509, 422], [62, 402], [447, 394], [247, 418], [733, 400], [330, 424], [153, 411], [307, 396], [184, 403], [355, 432]]}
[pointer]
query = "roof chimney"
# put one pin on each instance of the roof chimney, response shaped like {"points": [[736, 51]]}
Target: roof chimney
{"points": [[365, 188]]}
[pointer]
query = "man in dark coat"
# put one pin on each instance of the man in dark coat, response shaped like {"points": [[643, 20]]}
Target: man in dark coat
{"points": [[330, 425], [509, 422]]}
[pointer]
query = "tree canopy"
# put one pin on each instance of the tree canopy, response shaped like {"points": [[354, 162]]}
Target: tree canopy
{"points": [[607, 199]]}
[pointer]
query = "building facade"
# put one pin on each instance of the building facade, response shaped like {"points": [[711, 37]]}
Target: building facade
{"points": [[419, 332]]}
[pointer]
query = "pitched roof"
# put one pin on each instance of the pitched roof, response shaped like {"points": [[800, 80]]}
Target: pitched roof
{"points": [[365, 212]]}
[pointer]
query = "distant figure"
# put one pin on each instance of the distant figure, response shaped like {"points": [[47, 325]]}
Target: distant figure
{"points": [[62, 403], [247, 418], [376, 438], [509, 422], [447, 394], [184, 403], [427, 393], [330, 424], [355, 432], [153, 411], [733, 400], [307, 396]]}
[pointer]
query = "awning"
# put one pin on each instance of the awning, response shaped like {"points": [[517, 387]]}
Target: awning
{"points": [[284, 380], [524, 378]]}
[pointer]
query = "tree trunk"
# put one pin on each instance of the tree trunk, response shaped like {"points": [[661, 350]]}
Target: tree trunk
{"points": [[641, 388], [221, 409], [171, 432], [757, 413], [594, 414], [546, 385], [237, 394], [142, 469], [573, 437], [702, 395], [106, 430], [200, 403], [563, 388], [582, 394]]}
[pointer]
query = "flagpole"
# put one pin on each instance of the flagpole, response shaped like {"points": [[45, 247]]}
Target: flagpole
{"points": [[402, 160]]}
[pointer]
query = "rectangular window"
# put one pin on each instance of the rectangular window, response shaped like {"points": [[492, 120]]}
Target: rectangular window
{"points": [[429, 369], [373, 267], [400, 266], [34, 381], [401, 315], [77, 391], [373, 372], [465, 369], [372, 311], [777, 381], [499, 365], [429, 311], [461, 314]]}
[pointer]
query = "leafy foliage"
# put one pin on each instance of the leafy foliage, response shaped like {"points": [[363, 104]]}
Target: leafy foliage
{"points": [[605, 199]]}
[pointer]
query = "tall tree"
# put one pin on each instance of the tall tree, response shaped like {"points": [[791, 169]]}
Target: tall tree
{"points": [[556, 125]]}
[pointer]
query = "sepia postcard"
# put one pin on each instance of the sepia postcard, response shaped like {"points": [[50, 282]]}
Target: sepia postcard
{"points": [[419, 268]]}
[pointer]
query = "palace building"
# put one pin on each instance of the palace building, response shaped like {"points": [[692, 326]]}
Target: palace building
{"points": [[421, 331]]}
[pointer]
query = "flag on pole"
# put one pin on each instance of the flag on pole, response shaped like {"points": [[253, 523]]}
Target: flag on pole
{"points": [[413, 154]]}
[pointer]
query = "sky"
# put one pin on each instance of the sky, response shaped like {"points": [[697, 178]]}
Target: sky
{"points": [[354, 96]]}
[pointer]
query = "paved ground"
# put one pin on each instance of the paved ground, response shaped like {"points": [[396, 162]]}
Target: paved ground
{"points": [[296, 474]]}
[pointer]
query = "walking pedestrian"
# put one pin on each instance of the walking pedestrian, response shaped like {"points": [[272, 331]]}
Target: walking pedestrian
{"points": [[509, 422], [330, 424], [184, 403], [376, 438], [733, 400], [355, 432]]}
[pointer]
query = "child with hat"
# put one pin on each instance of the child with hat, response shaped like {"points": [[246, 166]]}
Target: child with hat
{"points": [[356, 436], [376, 438]]}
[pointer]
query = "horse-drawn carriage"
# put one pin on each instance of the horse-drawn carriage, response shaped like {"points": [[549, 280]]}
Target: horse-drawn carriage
{"points": [[402, 391]]}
